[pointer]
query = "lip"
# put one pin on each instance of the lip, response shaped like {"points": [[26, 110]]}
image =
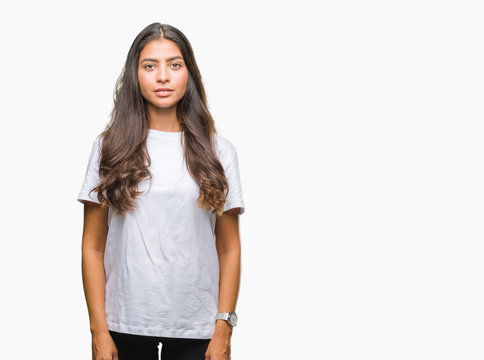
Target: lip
{"points": [[162, 92]]}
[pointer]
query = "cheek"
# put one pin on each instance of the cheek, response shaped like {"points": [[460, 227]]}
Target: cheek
{"points": [[183, 80], [142, 82]]}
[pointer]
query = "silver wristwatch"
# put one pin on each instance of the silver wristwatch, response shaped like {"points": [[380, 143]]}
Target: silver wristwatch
{"points": [[230, 317]]}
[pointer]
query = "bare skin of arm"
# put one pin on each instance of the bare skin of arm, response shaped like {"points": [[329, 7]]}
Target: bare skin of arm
{"points": [[228, 249], [93, 244]]}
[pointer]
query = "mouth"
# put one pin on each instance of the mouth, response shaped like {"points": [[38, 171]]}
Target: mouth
{"points": [[162, 92]]}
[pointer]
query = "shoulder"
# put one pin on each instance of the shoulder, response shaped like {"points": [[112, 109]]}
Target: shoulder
{"points": [[97, 143], [223, 146], [99, 139], [96, 149]]}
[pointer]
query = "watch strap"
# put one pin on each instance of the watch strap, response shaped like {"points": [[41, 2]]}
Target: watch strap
{"points": [[222, 316], [230, 317]]}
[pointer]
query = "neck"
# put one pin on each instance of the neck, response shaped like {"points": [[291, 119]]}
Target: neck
{"points": [[163, 119]]}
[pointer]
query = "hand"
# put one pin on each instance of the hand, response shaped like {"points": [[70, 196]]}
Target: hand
{"points": [[103, 347], [219, 346]]}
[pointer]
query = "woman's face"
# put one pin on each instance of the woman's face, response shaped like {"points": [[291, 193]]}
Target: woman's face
{"points": [[161, 65]]}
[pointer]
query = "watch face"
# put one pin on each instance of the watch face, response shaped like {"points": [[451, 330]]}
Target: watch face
{"points": [[233, 319]]}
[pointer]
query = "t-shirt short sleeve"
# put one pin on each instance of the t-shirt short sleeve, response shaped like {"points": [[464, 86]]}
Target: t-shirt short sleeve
{"points": [[91, 178], [228, 158]]}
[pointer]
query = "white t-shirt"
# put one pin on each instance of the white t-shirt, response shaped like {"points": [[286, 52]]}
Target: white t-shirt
{"points": [[160, 260]]}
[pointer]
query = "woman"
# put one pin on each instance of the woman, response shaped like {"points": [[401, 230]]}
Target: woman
{"points": [[162, 195]]}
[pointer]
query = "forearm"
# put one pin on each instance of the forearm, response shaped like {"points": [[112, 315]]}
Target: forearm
{"points": [[229, 265], [93, 277]]}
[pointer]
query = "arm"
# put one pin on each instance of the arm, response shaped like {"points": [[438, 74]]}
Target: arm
{"points": [[228, 249], [93, 245]]}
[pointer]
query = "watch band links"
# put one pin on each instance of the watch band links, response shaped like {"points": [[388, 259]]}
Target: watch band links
{"points": [[222, 316], [230, 317]]}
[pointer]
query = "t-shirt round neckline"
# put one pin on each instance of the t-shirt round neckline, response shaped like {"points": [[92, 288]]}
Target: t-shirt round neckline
{"points": [[165, 134]]}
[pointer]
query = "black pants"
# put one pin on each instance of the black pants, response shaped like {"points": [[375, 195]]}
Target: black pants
{"points": [[141, 347]]}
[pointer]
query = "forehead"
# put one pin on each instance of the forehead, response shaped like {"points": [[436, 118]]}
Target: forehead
{"points": [[160, 49]]}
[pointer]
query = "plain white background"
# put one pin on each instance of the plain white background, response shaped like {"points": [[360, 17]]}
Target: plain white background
{"points": [[359, 129]]}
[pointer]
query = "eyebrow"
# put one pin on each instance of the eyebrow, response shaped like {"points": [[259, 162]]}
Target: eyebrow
{"points": [[167, 59]]}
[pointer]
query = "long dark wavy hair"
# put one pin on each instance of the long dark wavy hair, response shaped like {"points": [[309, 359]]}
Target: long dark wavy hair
{"points": [[124, 158]]}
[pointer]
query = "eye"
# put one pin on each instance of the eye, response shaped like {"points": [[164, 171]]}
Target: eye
{"points": [[179, 65], [146, 66]]}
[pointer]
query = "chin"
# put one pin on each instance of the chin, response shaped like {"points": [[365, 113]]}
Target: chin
{"points": [[167, 103]]}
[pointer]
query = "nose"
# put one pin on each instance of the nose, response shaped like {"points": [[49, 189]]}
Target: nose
{"points": [[163, 74]]}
